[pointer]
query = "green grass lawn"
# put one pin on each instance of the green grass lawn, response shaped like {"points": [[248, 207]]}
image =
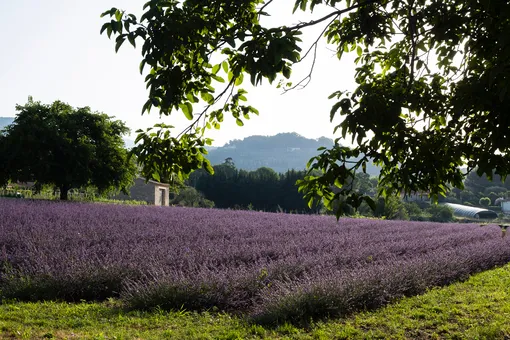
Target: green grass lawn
{"points": [[476, 309]]}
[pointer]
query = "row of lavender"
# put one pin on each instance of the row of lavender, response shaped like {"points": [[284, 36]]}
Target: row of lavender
{"points": [[274, 266]]}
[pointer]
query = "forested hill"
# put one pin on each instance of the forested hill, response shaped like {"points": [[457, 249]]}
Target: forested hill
{"points": [[4, 121], [280, 152]]}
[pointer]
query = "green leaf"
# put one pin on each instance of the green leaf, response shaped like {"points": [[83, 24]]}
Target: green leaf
{"points": [[118, 15], [187, 109], [131, 39], [208, 167], [421, 46], [217, 78], [207, 97], [239, 122], [230, 41], [216, 68], [109, 12], [120, 41], [296, 6], [156, 176], [104, 27], [287, 72], [239, 80], [147, 106], [334, 109], [192, 97], [225, 66], [303, 5]]}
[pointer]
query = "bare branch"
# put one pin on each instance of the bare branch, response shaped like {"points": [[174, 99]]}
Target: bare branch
{"points": [[308, 78], [264, 6], [314, 47]]}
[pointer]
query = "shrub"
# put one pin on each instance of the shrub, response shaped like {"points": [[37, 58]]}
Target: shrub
{"points": [[440, 213], [485, 201], [190, 197], [391, 208]]}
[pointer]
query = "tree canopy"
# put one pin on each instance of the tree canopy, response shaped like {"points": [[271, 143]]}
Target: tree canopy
{"points": [[66, 147], [431, 102]]}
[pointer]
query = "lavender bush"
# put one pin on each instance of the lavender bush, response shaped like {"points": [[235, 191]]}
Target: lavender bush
{"points": [[276, 267]]}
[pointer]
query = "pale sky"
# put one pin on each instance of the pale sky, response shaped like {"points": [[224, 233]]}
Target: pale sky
{"points": [[52, 49]]}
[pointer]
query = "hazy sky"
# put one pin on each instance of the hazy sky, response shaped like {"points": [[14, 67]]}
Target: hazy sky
{"points": [[51, 49]]}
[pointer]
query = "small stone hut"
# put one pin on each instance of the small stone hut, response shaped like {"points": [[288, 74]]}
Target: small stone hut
{"points": [[152, 192]]}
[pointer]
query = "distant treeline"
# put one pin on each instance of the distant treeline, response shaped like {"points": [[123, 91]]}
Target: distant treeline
{"points": [[262, 189]]}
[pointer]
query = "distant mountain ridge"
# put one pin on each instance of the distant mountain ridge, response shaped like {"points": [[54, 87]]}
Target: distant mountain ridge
{"points": [[281, 152]]}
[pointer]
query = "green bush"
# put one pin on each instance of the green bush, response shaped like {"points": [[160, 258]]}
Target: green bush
{"points": [[415, 212], [391, 208], [485, 201], [440, 213], [190, 197]]}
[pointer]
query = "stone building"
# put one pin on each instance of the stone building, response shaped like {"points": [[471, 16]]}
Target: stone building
{"points": [[152, 192]]}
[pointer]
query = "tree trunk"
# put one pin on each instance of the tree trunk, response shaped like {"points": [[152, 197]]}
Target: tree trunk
{"points": [[64, 189]]}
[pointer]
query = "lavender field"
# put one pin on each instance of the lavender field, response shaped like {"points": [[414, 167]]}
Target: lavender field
{"points": [[274, 267]]}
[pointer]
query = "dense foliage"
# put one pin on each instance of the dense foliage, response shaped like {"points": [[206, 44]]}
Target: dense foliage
{"points": [[262, 189], [190, 197], [478, 187], [274, 266], [431, 95], [66, 147]]}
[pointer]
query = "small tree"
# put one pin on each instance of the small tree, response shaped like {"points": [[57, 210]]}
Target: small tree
{"points": [[485, 201], [190, 197], [66, 147], [392, 208], [440, 213]]}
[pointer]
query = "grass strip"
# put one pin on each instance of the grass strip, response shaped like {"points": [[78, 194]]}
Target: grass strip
{"points": [[478, 308]]}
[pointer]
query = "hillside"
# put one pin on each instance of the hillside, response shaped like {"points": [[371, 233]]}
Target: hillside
{"points": [[280, 152]]}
